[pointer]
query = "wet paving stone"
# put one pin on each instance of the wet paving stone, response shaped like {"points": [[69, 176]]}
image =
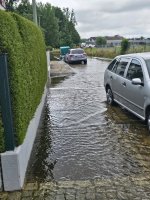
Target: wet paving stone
{"points": [[115, 189]]}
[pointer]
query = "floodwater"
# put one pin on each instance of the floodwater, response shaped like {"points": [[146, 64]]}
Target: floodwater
{"points": [[81, 138]]}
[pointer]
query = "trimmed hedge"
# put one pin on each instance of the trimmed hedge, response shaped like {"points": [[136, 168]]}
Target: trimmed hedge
{"points": [[24, 43]]}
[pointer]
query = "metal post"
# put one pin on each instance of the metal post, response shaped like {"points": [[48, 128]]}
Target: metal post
{"points": [[34, 12], [5, 104]]}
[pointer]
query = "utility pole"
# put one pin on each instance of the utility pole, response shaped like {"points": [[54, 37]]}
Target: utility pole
{"points": [[34, 12]]}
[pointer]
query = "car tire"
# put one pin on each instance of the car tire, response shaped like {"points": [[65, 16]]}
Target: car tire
{"points": [[148, 120], [110, 97], [85, 62]]}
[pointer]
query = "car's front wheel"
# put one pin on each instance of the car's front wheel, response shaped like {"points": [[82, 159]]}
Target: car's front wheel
{"points": [[110, 97], [148, 120]]}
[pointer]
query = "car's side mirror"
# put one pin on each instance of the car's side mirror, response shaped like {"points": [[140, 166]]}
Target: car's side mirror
{"points": [[137, 81]]}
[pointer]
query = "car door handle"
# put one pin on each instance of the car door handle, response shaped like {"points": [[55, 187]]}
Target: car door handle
{"points": [[111, 78], [124, 84]]}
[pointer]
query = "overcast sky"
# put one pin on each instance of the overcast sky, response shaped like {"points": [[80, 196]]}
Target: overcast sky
{"points": [[129, 18]]}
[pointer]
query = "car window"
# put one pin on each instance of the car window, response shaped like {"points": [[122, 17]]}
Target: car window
{"points": [[148, 65], [120, 66], [77, 51], [110, 66], [134, 70]]}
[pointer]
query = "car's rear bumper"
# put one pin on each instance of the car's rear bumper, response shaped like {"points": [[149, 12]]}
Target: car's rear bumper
{"points": [[78, 61]]}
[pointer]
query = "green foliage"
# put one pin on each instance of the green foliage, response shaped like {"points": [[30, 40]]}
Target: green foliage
{"points": [[49, 23], [103, 52], [100, 41], [25, 9], [57, 25], [124, 46], [67, 33], [9, 5], [24, 43]]}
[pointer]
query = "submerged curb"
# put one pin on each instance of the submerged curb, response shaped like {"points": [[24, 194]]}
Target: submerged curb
{"points": [[104, 59]]}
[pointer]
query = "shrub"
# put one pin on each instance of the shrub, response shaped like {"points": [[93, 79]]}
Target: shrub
{"points": [[124, 46], [24, 43]]}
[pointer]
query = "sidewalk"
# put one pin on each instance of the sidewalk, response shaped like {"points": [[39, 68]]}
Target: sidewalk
{"points": [[60, 69]]}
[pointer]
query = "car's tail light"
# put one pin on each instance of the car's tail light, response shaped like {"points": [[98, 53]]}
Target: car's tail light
{"points": [[84, 54], [71, 56]]}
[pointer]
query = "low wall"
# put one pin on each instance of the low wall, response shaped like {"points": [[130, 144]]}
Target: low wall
{"points": [[0, 181], [14, 163]]}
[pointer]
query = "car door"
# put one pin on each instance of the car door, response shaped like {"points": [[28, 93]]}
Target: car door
{"points": [[134, 94], [118, 79]]}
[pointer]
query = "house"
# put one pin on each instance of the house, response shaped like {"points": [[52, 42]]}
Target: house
{"points": [[139, 41], [113, 41], [2, 5]]}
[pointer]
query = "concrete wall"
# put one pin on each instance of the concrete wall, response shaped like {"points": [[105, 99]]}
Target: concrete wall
{"points": [[0, 180], [14, 163]]}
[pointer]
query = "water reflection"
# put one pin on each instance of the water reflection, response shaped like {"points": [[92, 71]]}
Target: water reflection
{"points": [[57, 80], [42, 161], [80, 137]]}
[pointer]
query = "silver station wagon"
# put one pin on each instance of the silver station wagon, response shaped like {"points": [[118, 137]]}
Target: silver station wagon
{"points": [[127, 82]]}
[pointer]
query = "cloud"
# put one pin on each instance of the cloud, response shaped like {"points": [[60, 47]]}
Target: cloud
{"points": [[109, 17], [126, 18], [112, 6]]}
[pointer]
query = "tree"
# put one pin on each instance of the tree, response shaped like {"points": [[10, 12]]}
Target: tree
{"points": [[58, 25], [67, 32], [64, 34], [124, 46], [101, 41], [49, 24], [25, 9]]}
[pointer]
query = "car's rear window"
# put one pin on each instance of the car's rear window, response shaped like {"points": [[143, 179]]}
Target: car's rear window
{"points": [[148, 65], [77, 51]]}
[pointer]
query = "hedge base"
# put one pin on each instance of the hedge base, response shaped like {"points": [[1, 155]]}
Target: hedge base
{"points": [[14, 163]]}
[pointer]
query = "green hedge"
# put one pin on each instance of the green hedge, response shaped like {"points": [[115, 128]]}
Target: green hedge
{"points": [[24, 43]]}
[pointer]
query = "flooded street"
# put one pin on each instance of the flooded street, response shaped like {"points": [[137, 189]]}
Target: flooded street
{"points": [[82, 138]]}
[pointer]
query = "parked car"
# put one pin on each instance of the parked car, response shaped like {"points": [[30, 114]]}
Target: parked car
{"points": [[76, 55], [127, 82]]}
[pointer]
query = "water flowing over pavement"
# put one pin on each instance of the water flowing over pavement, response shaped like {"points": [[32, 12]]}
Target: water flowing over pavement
{"points": [[85, 149], [82, 138]]}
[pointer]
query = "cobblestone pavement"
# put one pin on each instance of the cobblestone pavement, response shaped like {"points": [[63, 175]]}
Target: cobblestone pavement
{"points": [[127, 188]]}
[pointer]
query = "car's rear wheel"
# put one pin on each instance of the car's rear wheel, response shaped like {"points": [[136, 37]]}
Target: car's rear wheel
{"points": [[110, 97], [85, 62]]}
